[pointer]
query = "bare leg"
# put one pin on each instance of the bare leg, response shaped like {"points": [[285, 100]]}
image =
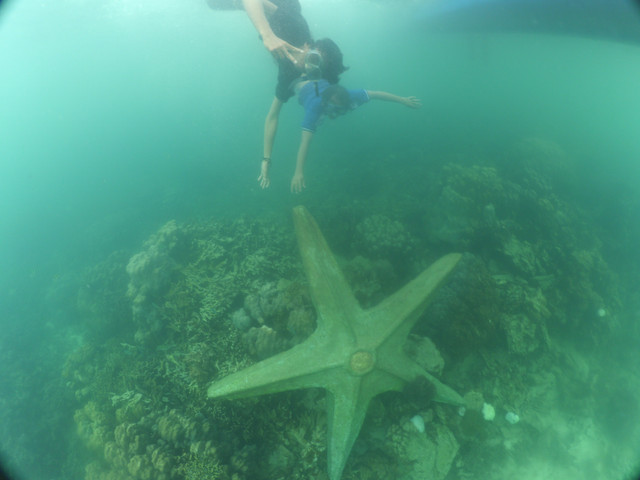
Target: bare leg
{"points": [[269, 7], [270, 128]]}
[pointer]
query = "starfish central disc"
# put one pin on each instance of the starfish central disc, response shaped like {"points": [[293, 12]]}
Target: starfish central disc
{"points": [[361, 362]]}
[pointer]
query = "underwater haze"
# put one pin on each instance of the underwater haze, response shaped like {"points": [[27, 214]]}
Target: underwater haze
{"points": [[140, 260]]}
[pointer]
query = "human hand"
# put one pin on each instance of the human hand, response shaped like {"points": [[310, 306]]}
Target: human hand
{"points": [[297, 183], [279, 48], [264, 173], [412, 102]]}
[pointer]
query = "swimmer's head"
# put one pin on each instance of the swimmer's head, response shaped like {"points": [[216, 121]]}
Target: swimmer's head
{"points": [[335, 101], [332, 66]]}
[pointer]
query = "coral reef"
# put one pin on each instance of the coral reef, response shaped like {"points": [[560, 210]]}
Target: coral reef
{"points": [[145, 444], [371, 280], [101, 299], [182, 286], [276, 316], [528, 324], [420, 455], [150, 273], [378, 236]]}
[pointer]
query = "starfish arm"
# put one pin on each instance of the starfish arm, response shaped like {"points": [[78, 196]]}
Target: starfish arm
{"points": [[347, 402], [293, 369], [406, 370], [331, 294], [392, 319]]}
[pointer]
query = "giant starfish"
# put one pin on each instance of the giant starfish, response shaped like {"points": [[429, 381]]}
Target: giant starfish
{"points": [[354, 354]]}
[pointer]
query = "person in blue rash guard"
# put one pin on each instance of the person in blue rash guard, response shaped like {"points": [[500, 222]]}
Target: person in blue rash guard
{"points": [[321, 59], [321, 99], [286, 35]]}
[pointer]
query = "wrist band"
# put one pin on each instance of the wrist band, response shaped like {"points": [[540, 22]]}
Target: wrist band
{"points": [[266, 159]]}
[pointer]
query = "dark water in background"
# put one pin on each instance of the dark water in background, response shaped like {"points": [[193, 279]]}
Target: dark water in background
{"points": [[118, 116]]}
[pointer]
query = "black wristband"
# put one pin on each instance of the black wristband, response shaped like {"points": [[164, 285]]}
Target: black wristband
{"points": [[266, 159]]}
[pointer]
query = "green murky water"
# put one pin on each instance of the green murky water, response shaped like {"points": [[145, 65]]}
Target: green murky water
{"points": [[140, 260]]}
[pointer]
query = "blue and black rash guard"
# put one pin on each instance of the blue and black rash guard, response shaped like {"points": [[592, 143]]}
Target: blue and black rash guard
{"points": [[310, 97]]}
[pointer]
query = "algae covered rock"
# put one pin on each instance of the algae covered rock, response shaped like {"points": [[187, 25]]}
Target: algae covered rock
{"points": [[101, 298], [263, 342], [464, 315], [541, 164], [92, 426], [470, 201], [521, 256], [241, 319], [378, 236], [370, 280], [150, 273], [275, 316], [420, 455], [522, 334], [524, 317], [425, 353], [150, 269]]}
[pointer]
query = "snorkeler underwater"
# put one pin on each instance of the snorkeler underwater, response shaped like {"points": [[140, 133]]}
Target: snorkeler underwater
{"points": [[444, 291]]}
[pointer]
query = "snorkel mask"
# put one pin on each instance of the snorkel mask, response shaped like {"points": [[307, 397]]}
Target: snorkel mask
{"points": [[313, 64], [335, 101], [333, 110]]}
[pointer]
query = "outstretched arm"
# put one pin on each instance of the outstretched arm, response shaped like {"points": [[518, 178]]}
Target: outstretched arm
{"points": [[276, 46], [270, 129], [411, 102], [297, 182]]}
